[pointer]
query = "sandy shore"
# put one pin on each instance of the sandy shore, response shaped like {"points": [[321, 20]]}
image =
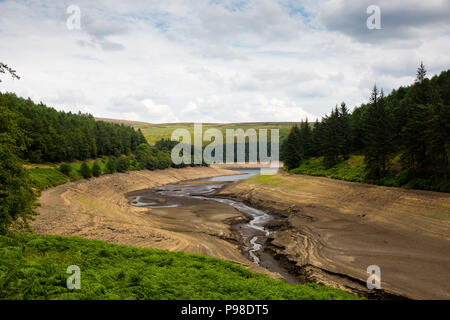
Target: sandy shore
{"points": [[98, 208], [330, 231]]}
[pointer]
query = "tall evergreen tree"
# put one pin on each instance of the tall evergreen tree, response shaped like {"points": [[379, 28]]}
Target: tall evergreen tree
{"points": [[345, 134], [306, 139], [331, 139], [379, 147], [414, 130], [293, 153]]}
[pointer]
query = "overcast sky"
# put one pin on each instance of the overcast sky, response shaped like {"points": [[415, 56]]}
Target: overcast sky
{"points": [[217, 61]]}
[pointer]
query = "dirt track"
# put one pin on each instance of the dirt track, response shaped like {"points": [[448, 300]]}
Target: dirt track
{"points": [[330, 231], [99, 209]]}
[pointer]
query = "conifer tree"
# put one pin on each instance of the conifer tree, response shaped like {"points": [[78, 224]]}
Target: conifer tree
{"points": [[379, 148], [293, 149], [344, 131]]}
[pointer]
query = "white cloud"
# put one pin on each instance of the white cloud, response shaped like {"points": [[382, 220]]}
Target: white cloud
{"points": [[216, 61]]}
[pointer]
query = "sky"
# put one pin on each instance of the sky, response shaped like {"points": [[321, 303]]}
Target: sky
{"points": [[216, 60]]}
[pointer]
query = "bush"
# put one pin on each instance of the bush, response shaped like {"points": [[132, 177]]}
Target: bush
{"points": [[85, 171], [65, 168], [96, 170], [123, 164], [152, 158], [111, 165]]}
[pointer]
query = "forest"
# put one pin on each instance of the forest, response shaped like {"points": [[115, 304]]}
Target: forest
{"points": [[52, 136], [404, 137], [34, 133]]}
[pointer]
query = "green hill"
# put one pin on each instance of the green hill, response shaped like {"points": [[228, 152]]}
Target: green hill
{"points": [[156, 132]]}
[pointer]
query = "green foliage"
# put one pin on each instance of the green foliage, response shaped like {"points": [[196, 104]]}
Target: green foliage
{"points": [[55, 136], [111, 165], [354, 170], [85, 171], [43, 178], [96, 170], [379, 147], [34, 267], [16, 194], [293, 149], [412, 123], [152, 158], [66, 169], [346, 170], [123, 163]]}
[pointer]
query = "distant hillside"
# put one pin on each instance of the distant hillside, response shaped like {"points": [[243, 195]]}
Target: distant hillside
{"points": [[154, 132]]}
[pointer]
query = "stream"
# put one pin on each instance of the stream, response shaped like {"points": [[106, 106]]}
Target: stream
{"points": [[254, 233]]}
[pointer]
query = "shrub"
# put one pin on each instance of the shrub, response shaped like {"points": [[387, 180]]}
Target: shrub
{"points": [[96, 170], [123, 164], [65, 168], [111, 165], [85, 171]]}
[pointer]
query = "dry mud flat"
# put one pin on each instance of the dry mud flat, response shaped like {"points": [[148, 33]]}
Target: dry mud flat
{"points": [[99, 208], [330, 231]]}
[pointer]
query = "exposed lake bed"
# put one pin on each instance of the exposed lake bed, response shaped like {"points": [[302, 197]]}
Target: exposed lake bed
{"points": [[253, 232]]}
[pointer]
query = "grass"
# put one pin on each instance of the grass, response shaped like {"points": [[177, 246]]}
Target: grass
{"points": [[353, 170], [43, 178], [34, 267], [269, 180], [155, 132], [350, 170], [50, 176]]}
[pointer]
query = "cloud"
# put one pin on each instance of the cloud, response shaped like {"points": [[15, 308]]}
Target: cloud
{"points": [[217, 61], [100, 31], [408, 21]]}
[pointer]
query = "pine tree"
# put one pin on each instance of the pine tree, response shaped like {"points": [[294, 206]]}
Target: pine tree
{"points": [[306, 139], [379, 147], [416, 153], [293, 149], [344, 131], [331, 139], [316, 138], [421, 73]]}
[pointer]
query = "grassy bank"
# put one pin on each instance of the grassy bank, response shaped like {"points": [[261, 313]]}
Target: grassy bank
{"points": [[34, 267], [353, 170], [49, 175]]}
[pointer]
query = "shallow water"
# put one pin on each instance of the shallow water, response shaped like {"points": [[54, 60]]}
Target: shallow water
{"points": [[243, 174]]}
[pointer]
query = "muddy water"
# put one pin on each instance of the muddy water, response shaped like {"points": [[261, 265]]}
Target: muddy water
{"points": [[254, 233]]}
